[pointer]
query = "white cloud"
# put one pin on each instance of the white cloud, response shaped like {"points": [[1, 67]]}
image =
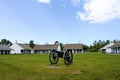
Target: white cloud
{"points": [[44, 1], [100, 10], [75, 2]]}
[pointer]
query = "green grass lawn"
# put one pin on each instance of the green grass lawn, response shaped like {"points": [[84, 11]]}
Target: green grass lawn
{"points": [[86, 66]]}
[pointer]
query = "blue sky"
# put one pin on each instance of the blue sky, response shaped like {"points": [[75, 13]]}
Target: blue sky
{"points": [[67, 21]]}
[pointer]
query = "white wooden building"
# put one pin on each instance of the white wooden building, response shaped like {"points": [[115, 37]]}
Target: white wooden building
{"points": [[19, 48], [106, 48], [116, 48], [75, 48]]}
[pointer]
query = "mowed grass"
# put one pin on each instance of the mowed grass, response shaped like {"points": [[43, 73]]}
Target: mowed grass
{"points": [[86, 66]]}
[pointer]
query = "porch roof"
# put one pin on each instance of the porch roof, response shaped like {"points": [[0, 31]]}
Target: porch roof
{"points": [[5, 47], [73, 46], [115, 45]]}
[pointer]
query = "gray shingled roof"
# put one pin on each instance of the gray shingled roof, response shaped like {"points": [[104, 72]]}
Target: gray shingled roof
{"points": [[73, 46], [49, 46], [43, 47], [116, 45], [38, 47], [4, 47]]}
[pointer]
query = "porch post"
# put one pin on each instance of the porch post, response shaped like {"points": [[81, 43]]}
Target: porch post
{"points": [[3, 51], [32, 51], [73, 51], [117, 50], [6, 51]]}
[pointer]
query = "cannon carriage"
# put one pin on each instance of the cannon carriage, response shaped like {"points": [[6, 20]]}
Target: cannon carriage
{"points": [[67, 56]]}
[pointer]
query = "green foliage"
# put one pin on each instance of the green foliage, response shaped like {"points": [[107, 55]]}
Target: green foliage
{"points": [[93, 49], [87, 66], [5, 42], [31, 44], [85, 47], [115, 41], [61, 45], [56, 42]]}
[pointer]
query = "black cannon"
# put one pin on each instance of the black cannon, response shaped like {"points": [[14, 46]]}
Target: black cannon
{"points": [[66, 55]]}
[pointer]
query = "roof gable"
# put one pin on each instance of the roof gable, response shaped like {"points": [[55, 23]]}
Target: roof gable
{"points": [[107, 46]]}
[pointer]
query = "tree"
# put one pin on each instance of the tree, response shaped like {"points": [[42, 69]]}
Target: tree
{"points": [[5, 42], [56, 42], [31, 44], [85, 47], [61, 45], [115, 41], [107, 41]]}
